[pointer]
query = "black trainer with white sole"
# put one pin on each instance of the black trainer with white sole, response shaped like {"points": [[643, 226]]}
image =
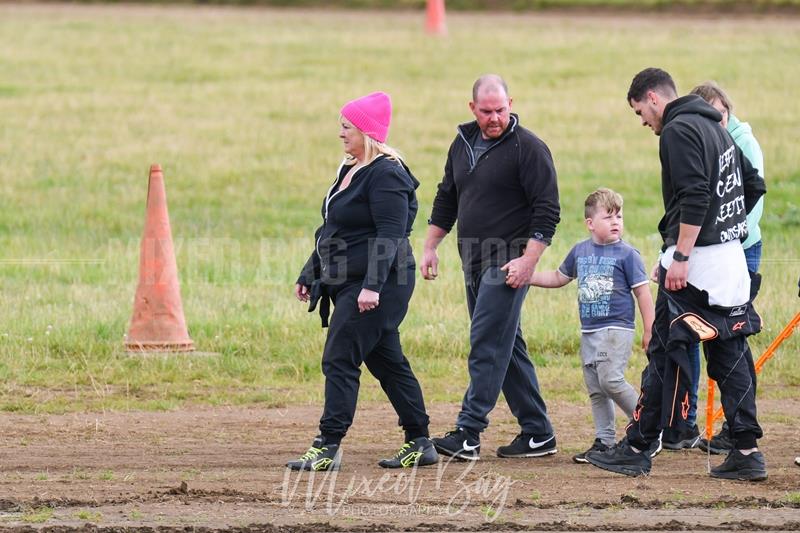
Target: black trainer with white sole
{"points": [[597, 446], [526, 445], [459, 443]]}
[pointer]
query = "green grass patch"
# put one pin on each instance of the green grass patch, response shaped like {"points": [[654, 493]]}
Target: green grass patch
{"points": [[89, 516], [240, 107], [37, 515], [793, 498]]}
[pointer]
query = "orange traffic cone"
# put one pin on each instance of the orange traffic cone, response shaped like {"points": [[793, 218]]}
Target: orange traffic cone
{"points": [[157, 324], [435, 21]]}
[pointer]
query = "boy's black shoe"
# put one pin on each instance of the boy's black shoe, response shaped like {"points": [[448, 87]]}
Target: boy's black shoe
{"points": [[719, 443], [742, 467], [319, 457], [622, 459], [597, 446], [460, 444], [526, 445], [417, 452], [685, 438]]}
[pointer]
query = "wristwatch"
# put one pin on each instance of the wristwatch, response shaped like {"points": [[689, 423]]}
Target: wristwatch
{"points": [[679, 257]]}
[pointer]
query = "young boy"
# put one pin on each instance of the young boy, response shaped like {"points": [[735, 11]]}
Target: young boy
{"points": [[607, 270]]}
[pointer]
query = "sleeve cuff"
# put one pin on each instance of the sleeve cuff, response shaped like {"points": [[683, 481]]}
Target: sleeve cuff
{"points": [[693, 217]]}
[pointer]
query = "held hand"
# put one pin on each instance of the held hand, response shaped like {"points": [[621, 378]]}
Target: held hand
{"points": [[646, 336], [367, 300], [654, 272], [518, 272], [677, 274], [429, 266], [301, 292]]}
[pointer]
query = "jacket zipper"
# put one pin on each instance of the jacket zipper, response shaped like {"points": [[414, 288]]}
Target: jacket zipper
{"points": [[472, 161], [329, 197]]}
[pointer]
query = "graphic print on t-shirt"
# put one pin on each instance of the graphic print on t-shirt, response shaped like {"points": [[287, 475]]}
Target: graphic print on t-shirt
{"points": [[595, 285], [606, 275]]}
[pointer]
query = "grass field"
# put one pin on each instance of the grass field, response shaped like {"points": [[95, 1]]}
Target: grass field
{"points": [[240, 107]]}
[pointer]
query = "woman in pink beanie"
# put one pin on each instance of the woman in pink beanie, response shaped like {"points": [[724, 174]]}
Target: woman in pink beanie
{"points": [[363, 263]]}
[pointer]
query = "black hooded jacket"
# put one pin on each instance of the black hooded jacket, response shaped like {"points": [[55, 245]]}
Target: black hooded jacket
{"points": [[705, 179], [365, 228]]}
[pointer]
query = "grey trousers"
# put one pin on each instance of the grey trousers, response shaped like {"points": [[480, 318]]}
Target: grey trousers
{"points": [[498, 358], [605, 354]]}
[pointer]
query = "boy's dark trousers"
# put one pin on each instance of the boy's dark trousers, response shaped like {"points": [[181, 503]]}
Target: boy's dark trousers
{"points": [[372, 338], [684, 317]]}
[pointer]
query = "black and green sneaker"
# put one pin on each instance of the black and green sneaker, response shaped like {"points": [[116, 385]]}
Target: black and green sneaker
{"points": [[417, 452], [319, 458]]}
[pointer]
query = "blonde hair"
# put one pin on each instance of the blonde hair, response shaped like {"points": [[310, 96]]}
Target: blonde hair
{"points": [[602, 198], [372, 148]]}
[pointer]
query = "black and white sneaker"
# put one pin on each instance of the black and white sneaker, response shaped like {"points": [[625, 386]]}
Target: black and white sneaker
{"points": [[527, 445], [597, 446], [622, 459], [459, 443], [720, 443], [417, 452], [797, 461], [680, 439], [320, 457], [736, 465]]}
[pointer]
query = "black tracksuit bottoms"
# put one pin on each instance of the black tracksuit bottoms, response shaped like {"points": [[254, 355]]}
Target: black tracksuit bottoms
{"points": [[664, 399], [498, 358], [372, 338]]}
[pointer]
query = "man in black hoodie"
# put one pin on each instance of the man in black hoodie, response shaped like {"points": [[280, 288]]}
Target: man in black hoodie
{"points": [[705, 290], [500, 184]]}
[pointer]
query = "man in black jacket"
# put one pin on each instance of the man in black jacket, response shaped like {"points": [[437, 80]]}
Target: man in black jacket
{"points": [[705, 290], [500, 184]]}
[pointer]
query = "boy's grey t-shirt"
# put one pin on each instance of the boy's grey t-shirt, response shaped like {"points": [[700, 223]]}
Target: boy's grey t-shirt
{"points": [[606, 273]]}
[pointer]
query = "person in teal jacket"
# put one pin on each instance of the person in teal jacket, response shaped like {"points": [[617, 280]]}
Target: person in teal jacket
{"points": [[743, 136]]}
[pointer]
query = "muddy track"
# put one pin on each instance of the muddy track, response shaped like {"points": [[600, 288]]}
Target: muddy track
{"points": [[222, 469]]}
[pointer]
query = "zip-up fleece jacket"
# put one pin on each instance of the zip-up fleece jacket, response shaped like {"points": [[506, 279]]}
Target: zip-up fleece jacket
{"points": [[743, 136], [502, 200], [365, 228], [705, 179]]}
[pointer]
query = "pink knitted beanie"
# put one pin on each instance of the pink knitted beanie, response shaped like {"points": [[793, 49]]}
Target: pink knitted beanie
{"points": [[371, 114]]}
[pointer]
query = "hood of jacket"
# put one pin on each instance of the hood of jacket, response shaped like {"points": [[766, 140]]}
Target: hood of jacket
{"points": [[737, 128], [690, 104], [414, 179]]}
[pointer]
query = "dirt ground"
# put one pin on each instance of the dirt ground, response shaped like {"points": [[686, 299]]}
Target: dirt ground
{"points": [[222, 469]]}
